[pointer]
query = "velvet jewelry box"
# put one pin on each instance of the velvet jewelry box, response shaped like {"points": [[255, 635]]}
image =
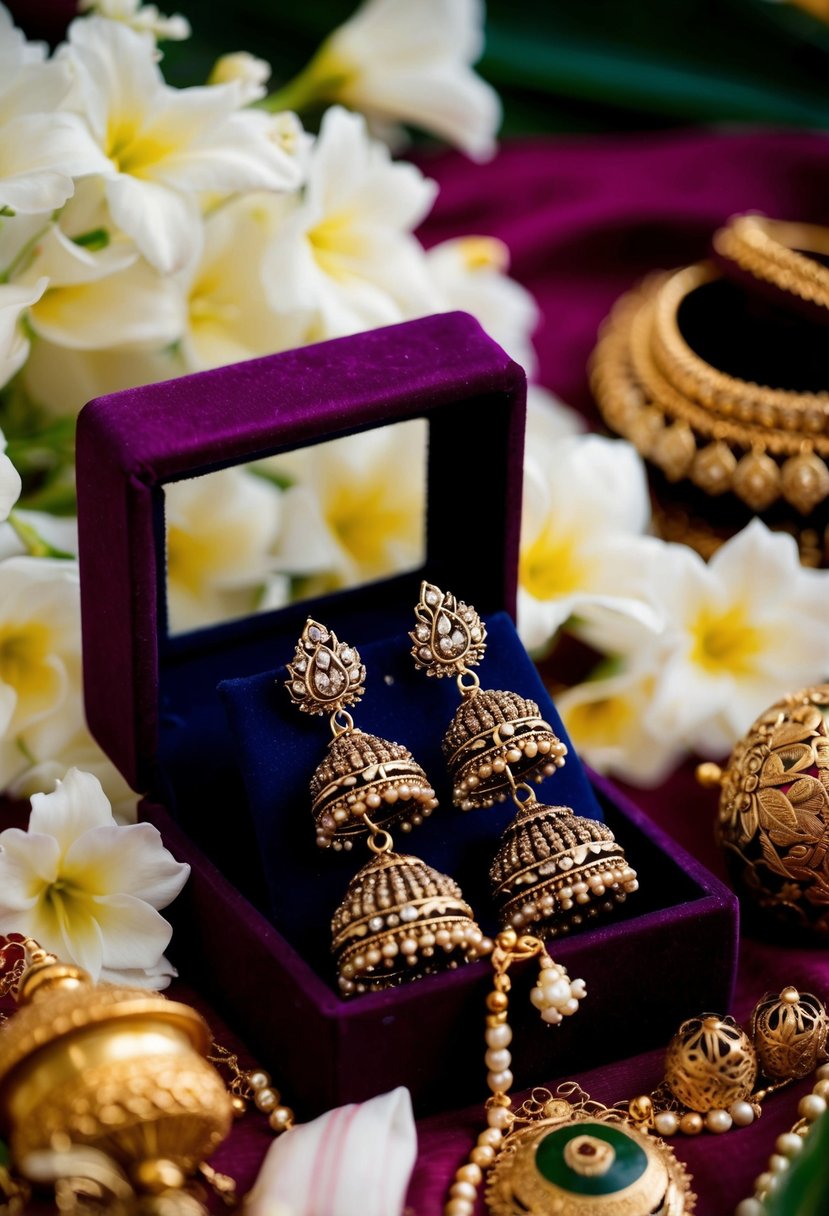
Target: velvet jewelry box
{"points": [[199, 723]]}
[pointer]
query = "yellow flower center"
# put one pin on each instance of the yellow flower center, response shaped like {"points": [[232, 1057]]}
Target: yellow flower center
{"points": [[484, 253], [604, 722], [23, 651], [370, 528], [192, 559], [554, 565], [725, 642], [206, 305], [336, 245], [132, 149]]}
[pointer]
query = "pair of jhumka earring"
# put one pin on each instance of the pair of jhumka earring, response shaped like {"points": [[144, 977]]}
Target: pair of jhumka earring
{"points": [[400, 918]]}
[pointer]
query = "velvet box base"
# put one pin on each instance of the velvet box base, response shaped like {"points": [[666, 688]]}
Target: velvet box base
{"points": [[643, 976]]}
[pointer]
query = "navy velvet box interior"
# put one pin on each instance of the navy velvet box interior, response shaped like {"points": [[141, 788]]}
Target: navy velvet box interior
{"points": [[279, 748]]}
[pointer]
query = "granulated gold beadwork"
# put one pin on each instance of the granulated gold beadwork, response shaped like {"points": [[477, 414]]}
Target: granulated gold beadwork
{"points": [[494, 733], [400, 919], [554, 870], [361, 775]]}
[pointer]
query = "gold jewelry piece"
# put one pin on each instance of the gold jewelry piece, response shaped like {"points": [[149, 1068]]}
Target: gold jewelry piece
{"points": [[252, 1085], [559, 1152], [493, 733], [553, 869], [774, 813], [694, 421], [777, 252], [361, 773], [399, 918], [115, 1069], [712, 1065]]}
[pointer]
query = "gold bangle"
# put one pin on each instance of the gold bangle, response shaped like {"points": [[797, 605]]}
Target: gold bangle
{"points": [[776, 251], [695, 421]]}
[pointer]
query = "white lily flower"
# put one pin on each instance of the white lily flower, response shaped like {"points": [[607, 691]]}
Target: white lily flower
{"points": [[344, 252], [252, 73], [88, 889], [411, 63], [741, 631], [164, 146], [607, 722], [227, 314], [357, 510], [107, 298], [15, 298], [40, 151], [39, 645], [10, 484], [62, 380], [470, 273], [221, 532], [586, 508], [142, 17]]}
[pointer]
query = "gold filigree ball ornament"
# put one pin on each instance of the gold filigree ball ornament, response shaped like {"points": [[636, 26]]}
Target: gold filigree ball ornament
{"points": [[116, 1069], [712, 1065], [554, 869], [400, 918], [773, 820]]}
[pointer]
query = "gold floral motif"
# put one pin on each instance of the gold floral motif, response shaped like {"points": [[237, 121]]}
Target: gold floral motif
{"points": [[449, 636], [774, 809]]}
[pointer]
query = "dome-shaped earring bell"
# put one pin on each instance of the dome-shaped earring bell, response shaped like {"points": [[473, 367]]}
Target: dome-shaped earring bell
{"points": [[555, 870]]}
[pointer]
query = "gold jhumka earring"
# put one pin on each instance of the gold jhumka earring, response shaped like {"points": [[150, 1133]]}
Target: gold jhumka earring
{"points": [[553, 869], [399, 918]]}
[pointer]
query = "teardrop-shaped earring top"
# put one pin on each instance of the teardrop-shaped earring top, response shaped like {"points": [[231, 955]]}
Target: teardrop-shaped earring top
{"points": [[493, 732], [361, 775]]}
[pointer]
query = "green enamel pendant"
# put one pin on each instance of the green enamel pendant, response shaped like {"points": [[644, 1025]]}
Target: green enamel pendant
{"points": [[574, 1164]]}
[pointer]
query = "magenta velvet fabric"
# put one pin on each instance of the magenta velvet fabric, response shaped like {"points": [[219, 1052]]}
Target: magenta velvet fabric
{"points": [[583, 220]]}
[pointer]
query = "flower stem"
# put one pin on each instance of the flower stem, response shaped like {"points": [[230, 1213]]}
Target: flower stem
{"points": [[36, 545], [322, 80]]}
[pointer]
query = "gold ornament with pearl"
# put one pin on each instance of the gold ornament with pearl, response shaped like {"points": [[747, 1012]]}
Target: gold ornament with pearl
{"points": [[555, 870], [710, 1064], [120, 1070], [492, 730], [401, 918], [361, 773], [789, 1033]]}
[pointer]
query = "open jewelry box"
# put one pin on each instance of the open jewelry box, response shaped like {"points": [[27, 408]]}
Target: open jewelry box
{"points": [[226, 771]]}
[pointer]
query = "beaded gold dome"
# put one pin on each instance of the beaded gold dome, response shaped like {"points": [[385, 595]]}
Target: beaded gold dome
{"points": [[399, 919], [789, 1033], [492, 730], [120, 1069], [554, 870], [361, 775], [710, 1063]]}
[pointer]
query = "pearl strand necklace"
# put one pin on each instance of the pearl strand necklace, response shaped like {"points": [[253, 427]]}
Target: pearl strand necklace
{"points": [[788, 1145]]}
